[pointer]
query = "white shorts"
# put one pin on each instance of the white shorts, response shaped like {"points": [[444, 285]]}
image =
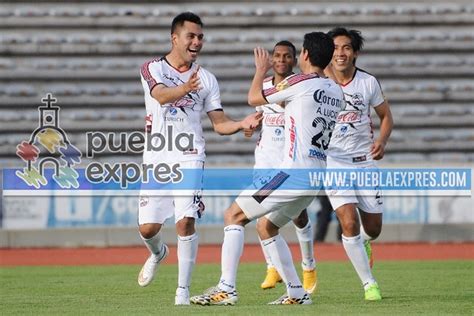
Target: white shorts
{"points": [[280, 208], [367, 200], [157, 209]]}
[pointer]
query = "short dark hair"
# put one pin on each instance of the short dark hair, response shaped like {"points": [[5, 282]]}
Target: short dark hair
{"points": [[288, 44], [357, 40], [320, 47], [183, 17]]}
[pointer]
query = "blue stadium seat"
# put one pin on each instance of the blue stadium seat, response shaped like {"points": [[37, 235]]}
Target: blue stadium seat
{"points": [[66, 11], [83, 38], [31, 11], [20, 90], [65, 90], [6, 12], [100, 11]]}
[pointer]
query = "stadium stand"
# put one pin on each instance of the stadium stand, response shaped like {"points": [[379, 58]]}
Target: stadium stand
{"points": [[89, 56]]}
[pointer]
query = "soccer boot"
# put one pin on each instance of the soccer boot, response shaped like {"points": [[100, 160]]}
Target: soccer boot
{"points": [[372, 293], [368, 250], [271, 279], [215, 297], [148, 271], [286, 300], [310, 280], [182, 296]]}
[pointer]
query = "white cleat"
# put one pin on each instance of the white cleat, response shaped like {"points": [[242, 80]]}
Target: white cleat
{"points": [[182, 297], [148, 271], [286, 300]]}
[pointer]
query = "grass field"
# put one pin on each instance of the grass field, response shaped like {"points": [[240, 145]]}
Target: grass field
{"points": [[408, 287]]}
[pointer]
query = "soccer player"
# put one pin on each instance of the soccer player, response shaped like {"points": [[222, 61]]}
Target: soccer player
{"points": [[353, 146], [268, 155], [311, 105], [177, 91]]}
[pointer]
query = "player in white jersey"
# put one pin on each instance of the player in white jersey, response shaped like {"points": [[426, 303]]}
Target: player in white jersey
{"points": [[309, 119], [353, 146], [176, 92], [268, 155]]}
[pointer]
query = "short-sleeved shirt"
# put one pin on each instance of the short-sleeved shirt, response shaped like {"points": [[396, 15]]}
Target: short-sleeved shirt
{"points": [[270, 144], [171, 127], [312, 104], [353, 134]]}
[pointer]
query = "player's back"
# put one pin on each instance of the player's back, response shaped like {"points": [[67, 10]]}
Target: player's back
{"points": [[310, 115]]}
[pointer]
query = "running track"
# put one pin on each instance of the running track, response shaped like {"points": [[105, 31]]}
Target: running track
{"points": [[211, 254]]}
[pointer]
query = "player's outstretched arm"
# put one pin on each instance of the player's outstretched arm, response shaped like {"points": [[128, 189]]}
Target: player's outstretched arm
{"points": [[165, 95], [263, 63], [386, 125], [223, 125]]}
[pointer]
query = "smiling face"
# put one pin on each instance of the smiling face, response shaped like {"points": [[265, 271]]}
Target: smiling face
{"points": [[283, 60], [344, 54], [187, 41]]}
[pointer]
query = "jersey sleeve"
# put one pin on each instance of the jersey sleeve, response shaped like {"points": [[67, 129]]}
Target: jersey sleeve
{"points": [[151, 74], [283, 91], [213, 100], [377, 97]]}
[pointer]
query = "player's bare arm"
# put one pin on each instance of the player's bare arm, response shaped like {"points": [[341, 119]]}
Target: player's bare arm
{"points": [[165, 95], [386, 124], [223, 125], [329, 72], [263, 64]]}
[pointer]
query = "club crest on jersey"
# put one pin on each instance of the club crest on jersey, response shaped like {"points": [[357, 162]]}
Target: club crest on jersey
{"points": [[144, 200], [173, 111], [278, 132], [282, 85], [355, 100]]}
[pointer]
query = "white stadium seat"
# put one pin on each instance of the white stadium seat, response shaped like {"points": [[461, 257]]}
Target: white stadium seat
{"points": [[89, 55]]}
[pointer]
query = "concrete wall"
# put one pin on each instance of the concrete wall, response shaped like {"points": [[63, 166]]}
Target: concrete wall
{"points": [[213, 234]]}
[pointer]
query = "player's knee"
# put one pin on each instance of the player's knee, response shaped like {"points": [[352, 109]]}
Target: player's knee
{"points": [[301, 221], [149, 230], [350, 227], [349, 220], [373, 232], [185, 226], [266, 229], [235, 216]]}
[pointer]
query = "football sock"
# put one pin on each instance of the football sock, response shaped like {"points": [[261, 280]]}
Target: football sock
{"points": [[305, 238], [187, 252], [232, 248], [355, 250], [268, 260], [364, 234], [154, 244], [281, 257]]}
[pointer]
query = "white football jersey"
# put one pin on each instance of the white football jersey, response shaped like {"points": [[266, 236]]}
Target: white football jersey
{"points": [[173, 130], [269, 149], [312, 104], [353, 135]]}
